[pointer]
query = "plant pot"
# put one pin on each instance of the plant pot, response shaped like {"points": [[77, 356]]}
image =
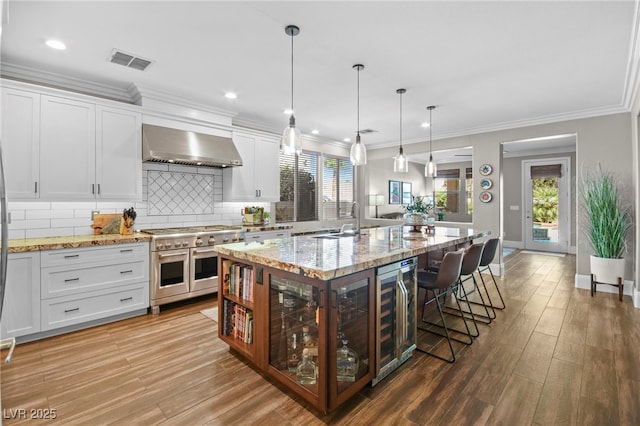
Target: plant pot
{"points": [[607, 270]]}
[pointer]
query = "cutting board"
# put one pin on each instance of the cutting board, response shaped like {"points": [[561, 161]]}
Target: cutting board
{"points": [[101, 220]]}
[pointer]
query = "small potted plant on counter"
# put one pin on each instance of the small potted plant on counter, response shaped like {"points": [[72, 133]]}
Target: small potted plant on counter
{"points": [[417, 214]]}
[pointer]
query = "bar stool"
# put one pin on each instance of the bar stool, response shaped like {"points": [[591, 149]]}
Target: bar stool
{"points": [[442, 284], [488, 255], [470, 265]]}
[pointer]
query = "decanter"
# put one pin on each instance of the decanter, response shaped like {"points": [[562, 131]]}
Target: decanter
{"points": [[306, 371], [294, 351], [347, 362], [309, 343]]}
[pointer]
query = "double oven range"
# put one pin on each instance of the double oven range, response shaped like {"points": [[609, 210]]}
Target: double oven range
{"points": [[184, 262]]}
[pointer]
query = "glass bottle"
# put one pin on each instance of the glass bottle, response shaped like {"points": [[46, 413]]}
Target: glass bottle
{"points": [[306, 371], [309, 343], [347, 363], [294, 353]]}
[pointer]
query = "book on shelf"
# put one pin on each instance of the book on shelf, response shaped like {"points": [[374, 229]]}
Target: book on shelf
{"points": [[240, 282]]}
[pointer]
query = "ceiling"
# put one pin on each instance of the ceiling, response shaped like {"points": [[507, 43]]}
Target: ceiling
{"points": [[485, 65]]}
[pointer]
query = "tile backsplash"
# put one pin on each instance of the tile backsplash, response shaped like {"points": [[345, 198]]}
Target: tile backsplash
{"points": [[172, 196]]}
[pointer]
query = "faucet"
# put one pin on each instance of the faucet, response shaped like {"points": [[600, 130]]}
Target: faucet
{"points": [[355, 206]]}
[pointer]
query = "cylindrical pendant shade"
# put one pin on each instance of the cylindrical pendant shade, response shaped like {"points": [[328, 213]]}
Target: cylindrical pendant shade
{"points": [[400, 163], [358, 154]]}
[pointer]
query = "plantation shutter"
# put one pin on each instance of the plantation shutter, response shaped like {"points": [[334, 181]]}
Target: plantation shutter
{"points": [[546, 171]]}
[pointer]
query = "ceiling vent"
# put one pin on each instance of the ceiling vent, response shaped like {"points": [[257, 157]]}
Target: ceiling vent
{"points": [[365, 131], [128, 60]]}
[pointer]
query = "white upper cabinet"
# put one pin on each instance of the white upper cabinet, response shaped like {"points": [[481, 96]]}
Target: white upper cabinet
{"points": [[67, 149], [21, 142], [74, 147], [258, 179], [118, 154]]}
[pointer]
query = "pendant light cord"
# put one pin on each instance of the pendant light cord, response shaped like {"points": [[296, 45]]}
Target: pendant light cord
{"points": [[292, 35], [358, 105], [430, 111], [400, 121]]}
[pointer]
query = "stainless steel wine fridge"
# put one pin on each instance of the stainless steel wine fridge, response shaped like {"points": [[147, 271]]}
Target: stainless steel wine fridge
{"points": [[396, 313]]}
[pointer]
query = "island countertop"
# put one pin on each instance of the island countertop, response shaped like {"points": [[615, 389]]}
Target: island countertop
{"points": [[329, 258]]}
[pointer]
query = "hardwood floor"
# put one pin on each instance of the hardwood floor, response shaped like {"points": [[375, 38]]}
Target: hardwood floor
{"points": [[553, 356]]}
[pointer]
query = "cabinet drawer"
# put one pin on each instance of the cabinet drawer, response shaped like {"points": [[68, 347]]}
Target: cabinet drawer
{"points": [[70, 310], [62, 280], [80, 255]]}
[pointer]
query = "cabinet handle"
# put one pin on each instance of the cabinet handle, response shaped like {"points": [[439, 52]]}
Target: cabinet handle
{"points": [[279, 235], [126, 272], [93, 188], [126, 299], [66, 311], [71, 256], [320, 299], [98, 188], [126, 250], [256, 193], [70, 280], [255, 237], [35, 184]]}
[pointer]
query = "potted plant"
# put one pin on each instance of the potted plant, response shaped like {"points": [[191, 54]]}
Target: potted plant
{"points": [[608, 222], [417, 213]]}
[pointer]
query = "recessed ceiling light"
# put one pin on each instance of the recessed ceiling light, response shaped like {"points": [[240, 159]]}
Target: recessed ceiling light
{"points": [[424, 125], [315, 131], [347, 139], [56, 44], [288, 111], [230, 95]]}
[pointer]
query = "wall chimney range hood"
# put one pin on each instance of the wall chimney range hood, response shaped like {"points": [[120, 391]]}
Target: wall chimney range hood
{"points": [[166, 145]]}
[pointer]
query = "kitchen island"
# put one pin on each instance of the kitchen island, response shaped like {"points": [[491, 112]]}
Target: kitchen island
{"points": [[318, 294]]}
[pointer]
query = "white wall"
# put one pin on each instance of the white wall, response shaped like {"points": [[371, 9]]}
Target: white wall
{"points": [[596, 136]]}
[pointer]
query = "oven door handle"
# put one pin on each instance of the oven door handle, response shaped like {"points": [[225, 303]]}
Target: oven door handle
{"points": [[180, 253], [196, 251]]}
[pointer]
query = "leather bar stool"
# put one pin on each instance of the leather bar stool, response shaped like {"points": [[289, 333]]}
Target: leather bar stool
{"points": [[442, 284], [490, 249]]}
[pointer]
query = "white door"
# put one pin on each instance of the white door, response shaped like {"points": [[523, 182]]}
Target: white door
{"points": [[546, 187]]}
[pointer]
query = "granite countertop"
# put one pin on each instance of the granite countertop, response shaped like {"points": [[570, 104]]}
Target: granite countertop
{"points": [[329, 258], [54, 243]]}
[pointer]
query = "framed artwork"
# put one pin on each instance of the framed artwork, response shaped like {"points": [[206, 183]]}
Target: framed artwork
{"points": [[406, 192], [394, 192]]}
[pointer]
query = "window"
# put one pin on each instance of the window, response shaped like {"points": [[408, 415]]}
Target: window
{"points": [[298, 187], [337, 187], [314, 187], [447, 189], [469, 185]]}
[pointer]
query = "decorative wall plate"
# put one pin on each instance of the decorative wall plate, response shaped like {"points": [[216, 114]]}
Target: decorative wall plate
{"points": [[486, 183], [486, 169], [486, 196]]}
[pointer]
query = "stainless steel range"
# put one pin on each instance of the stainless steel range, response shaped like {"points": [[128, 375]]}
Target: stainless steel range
{"points": [[184, 262]]}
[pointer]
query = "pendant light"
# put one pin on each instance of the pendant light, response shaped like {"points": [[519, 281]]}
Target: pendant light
{"points": [[430, 169], [400, 162], [358, 150], [292, 137]]}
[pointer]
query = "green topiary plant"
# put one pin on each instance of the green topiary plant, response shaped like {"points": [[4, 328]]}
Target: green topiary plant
{"points": [[608, 219]]}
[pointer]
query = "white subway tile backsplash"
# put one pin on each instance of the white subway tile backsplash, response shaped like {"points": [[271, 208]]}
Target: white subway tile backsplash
{"points": [[30, 224], [48, 214], [81, 205], [162, 167], [17, 214], [48, 232], [26, 205], [16, 234], [67, 223]]}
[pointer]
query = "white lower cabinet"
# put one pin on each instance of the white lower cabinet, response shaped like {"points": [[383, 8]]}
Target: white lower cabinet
{"points": [[80, 285], [52, 289], [21, 309]]}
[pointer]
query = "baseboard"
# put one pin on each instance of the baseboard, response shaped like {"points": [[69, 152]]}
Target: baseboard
{"points": [[520, 245], [513, 244], [584, 282]]}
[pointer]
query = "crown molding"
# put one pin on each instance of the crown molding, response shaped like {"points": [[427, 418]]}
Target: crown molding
{"points": [[58, 81], [632, 78]]}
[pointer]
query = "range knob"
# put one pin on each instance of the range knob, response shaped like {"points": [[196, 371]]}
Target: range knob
{"points": [[185, 243], [211, 241], [159, 246], [225, 240], [199, 242], [168, 245]]}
